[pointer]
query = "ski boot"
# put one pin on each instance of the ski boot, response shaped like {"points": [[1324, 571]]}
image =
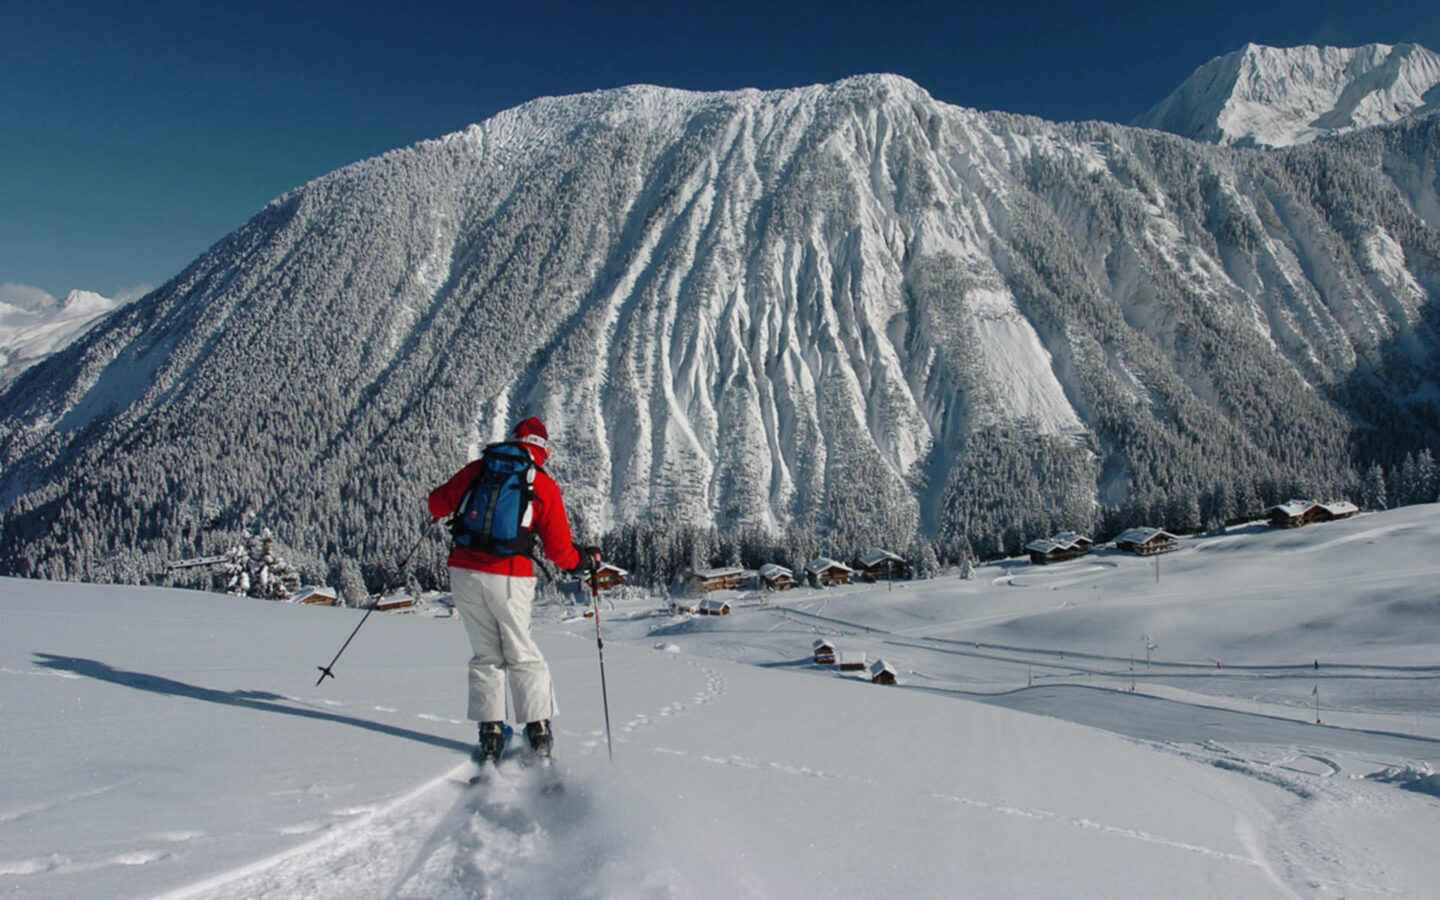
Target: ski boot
{"points": [[538, 734], [492, 744], [541, 740]]}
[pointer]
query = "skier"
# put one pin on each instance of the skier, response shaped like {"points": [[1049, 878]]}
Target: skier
{"points": [[493, 582]]}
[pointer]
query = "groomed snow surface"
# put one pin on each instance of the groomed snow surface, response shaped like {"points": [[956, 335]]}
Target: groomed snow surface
{"points": [[168, 743]]}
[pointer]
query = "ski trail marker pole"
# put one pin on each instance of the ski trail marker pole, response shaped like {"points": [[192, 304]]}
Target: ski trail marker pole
{"points": [[600, 648], [325, 670]]}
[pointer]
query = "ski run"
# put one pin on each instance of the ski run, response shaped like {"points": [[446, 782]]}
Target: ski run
{"points": [[169, 743]]}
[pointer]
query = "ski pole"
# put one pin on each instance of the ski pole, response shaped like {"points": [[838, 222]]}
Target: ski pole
{"points": [[325, 670], [600, 648]]}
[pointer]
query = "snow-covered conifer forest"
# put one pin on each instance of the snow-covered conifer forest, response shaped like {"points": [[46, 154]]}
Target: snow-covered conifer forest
{"points": [[760, 326]]}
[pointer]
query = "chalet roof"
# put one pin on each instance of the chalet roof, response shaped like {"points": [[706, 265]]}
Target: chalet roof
{"points": [[881, 665], [713, 604], [1065, 540], [611, 567], [312, 591], [821, 642], [772, 571], [851, 658], [1297, 508], [1292, 508], [825, 564], [708, 574], [1142, 535], [875, 557]]}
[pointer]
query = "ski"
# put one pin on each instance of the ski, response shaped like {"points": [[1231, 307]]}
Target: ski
{"points": [[486, 773], [542, 773], [538, 771], [548, 775]]}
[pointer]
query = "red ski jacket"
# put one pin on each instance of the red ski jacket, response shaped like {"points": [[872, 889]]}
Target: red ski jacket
{"points": [[549, 524]]}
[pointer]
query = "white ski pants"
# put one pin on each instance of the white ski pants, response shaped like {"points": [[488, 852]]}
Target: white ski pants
{"points": [[496, 613]]}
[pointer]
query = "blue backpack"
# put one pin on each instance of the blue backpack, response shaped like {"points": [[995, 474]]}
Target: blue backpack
{"points": [[495, 515]]}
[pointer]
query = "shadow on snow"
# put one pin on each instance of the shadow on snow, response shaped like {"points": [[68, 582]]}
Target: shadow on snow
{"points": [[263, 701]]}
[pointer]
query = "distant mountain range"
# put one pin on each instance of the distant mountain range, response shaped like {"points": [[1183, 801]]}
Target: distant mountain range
{"points": [[842, 316], [1278, 97], [34, 325]]}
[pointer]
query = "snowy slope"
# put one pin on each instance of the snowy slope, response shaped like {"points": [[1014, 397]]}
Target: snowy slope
{"points": [[161, 742], [1278, 97], [31, 331]]}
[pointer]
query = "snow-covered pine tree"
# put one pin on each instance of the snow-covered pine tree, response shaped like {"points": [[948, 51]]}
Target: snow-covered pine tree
{"points": [[352, 585], [254, 568], [1372, 490]]}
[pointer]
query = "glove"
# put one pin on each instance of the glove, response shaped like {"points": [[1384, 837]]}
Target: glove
{"points": [[589, 558]]}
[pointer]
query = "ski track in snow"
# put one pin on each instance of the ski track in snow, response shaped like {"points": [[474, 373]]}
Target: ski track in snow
{"points": [[1324, 791], [715, 686], [443, 839], [1090, 824], [1255, 859], [447, 839], [12, 815], [64, 865], [713, 689]]}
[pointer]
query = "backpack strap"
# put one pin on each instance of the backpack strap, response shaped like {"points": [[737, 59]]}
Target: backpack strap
{"points": [[457, 518], [524, 543]]}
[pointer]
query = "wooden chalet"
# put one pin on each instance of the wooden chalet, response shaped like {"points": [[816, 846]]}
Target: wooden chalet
{"points": [[776, 578], [713, 606], [395, 603], [882, 565], [1292, 514], [1146, 541], [1339, 509], [609, 576], [824, 652], [851, 661], [710, 580], [1295, 513], [1059, 548], [316, 596], [824, 572], [881, 672]]}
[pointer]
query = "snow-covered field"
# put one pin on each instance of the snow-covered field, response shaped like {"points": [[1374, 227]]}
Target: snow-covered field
{"points": [[162, 742]]}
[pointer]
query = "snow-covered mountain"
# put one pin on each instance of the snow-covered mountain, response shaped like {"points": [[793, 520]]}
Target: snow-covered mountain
{"points": [[34, 324], [846, 311], [1278, 97]]}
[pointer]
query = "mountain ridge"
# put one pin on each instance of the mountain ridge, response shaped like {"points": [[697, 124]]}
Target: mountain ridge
{"points": [[1276, 97], [848, 311], [36, 325]]}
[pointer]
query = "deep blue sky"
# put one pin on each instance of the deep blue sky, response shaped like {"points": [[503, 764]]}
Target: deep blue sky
{"points": [[136, 133]]}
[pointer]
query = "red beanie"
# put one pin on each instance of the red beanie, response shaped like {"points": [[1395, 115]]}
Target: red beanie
{"points": [[532, 431]]}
